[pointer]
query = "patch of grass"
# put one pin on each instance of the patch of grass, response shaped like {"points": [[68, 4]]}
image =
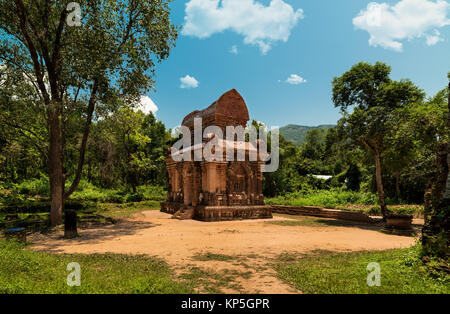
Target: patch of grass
{"points": [[252, 255], [26, 271], [229, 231], [325, 272], [287, 257], [243, 264], [235, 273], [212, 257], [211, 281], [261, 268]]}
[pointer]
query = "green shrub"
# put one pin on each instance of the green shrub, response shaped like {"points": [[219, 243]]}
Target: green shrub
{"points": [[21, 193], [22, 196], [135, 197], [152, 192], [403, 210], [27, 271], [40, 186], [86, 191], [374, 211], [115, 197], [324, 198], [11, 199]]}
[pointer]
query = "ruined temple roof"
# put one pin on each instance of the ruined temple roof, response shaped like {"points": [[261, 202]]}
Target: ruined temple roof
{"points": [[230, 107], [223, 143]]}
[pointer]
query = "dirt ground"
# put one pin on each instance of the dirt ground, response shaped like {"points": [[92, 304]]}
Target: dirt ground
{"points": [[252, 244]]}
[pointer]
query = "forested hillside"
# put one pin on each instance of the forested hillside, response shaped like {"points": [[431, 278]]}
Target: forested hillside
{"points": [[297, 133]]}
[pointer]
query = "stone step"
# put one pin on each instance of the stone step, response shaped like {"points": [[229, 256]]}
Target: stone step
{"points": [[184, 213]]}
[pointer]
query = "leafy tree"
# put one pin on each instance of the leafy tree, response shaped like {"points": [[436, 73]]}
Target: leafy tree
{"points": [[131, 145], [21, 129], [75, 70], [313, 148], [353, 177], [286, 178], [373, 97], [128, 149], [405, 160], [435, 234], [160, 142]]}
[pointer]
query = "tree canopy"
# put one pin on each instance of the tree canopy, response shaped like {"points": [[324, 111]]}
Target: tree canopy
{"points": [[375, 100], [79, 66]]}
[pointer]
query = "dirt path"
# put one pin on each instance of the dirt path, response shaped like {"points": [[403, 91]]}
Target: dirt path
{"points": [[240, 249]]}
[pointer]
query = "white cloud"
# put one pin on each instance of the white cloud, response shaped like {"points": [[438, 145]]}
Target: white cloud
{"points": [[188, 82], [147, 105], [434, 39], [295, 79], [234, 50], [407, 19], [260, 25]]}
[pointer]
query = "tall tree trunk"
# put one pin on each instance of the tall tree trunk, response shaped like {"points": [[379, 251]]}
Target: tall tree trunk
{"points": [[56, 174], [380, 187], [133, 181], [133, 187], [89, 174], [372, 145], [427, 206]]}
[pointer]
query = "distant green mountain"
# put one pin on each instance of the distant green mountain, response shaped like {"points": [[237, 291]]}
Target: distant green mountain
{"points": [[296, 133]]}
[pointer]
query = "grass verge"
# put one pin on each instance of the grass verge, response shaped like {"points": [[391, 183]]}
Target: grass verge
{"points": [[212, 257], [26, 271], [346, 273]]}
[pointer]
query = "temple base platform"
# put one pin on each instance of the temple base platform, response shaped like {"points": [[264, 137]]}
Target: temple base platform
{"points": [[217, 213]]}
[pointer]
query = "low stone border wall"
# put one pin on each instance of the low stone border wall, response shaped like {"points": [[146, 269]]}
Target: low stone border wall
{"points": [[224, 213], [322, 212]]}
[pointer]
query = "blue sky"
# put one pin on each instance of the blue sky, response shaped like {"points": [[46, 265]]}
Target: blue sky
{"points": [[310, 40]]}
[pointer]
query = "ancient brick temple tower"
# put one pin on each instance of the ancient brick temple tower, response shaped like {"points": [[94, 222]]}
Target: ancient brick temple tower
{"points": [[217, 190]]}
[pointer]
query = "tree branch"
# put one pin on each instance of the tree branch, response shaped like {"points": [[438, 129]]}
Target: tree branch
{"points": [[365, 143], [25, 73], [90, 112], [24, 132], [21, 12], [57, 45]]}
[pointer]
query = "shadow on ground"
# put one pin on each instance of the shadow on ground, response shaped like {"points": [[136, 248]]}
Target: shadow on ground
{"points": [[95, 234]]}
